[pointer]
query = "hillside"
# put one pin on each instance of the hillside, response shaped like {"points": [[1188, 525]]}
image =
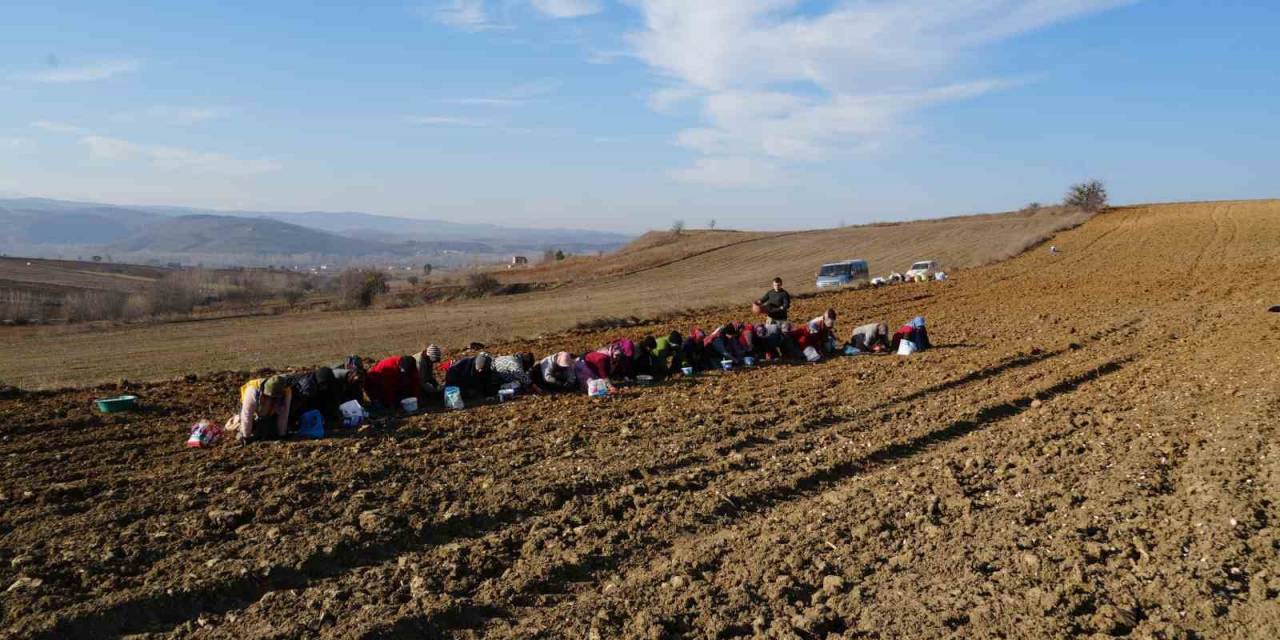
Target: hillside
{"points": [[30, 222], [709, 262], [651, 277], [225, 235], [69, 275], [44, 227], [1089, 451]]}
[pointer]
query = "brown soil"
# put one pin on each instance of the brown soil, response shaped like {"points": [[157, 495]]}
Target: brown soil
{"points": [[1091, 450]]}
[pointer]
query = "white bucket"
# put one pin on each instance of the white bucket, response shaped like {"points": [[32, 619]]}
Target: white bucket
{"points": [[598, 388], [506, 395], [352, 413], [409, 404], [906, 348], [453, 397], [812, 354]]}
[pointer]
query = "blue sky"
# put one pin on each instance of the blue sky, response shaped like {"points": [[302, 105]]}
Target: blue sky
{"points": [[768, 114]]}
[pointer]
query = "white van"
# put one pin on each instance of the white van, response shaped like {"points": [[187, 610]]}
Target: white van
{"points": [[924, 268]]}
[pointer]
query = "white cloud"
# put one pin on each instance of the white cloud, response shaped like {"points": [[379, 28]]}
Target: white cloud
{"points": [[101, 70], [13, 142], [175, 158], [515, 96], [568, 8], [185, 115], [780, 81], [447, 121], [59, 127], [667, 99], [105, 148], [730, 171], [163, 157], [487, 102], [466, 15]]}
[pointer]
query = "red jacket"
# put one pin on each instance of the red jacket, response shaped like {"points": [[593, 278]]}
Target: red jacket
{"points": [[385, 384], [804, 338], [592, 366], [747, 338]]}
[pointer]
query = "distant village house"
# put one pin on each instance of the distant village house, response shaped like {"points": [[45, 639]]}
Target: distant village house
{"points": [[518, 261]]}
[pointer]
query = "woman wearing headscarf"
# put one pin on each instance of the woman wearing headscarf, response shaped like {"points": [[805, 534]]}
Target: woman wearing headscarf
{"points": [[474, 376], [870, 337], [597, 365], [427, 360], [819, 333], [264, 408], [622, 352], [768, 342], [724, 342], [514, 369], [314, 391], [393, 380], [555, 373], [913, 331], [693, 351]]}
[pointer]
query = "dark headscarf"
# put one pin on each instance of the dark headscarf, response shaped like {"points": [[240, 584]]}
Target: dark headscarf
{"points": [[324, 378]]}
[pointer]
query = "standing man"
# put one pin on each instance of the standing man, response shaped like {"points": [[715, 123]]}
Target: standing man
{"points": [[775, 303]]}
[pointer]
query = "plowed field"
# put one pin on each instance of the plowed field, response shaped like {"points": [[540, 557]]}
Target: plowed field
{"points": [[1091, 449]]}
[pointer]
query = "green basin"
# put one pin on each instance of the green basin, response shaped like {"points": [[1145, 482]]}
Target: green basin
{"points": [[118, 403]]}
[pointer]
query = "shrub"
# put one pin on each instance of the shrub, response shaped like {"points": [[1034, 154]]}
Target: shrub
{"points": [[1031, 207], [403, 300], [358, 287], [1089, 196], [22, 307], [677, 226], [559, 254], [87, 306], [412, 280], [294, 296], [173, 294], [480, 284]]}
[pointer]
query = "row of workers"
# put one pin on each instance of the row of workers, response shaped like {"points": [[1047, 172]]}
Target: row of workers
{"points": [[270, 407]]}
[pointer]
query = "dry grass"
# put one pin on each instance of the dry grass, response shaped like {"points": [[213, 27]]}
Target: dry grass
{"points": [[648, 279]]}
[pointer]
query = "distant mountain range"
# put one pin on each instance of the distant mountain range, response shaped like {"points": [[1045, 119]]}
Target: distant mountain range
{"points": [[43, 227]]}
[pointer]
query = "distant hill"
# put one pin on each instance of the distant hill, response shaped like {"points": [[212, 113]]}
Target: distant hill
{"points": [[35, 221], [371, 226], [44, 227], [206, 234]]}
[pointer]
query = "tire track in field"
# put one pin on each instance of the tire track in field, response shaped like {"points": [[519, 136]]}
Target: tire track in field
{"points": [[704, 252], [1215, 217]]}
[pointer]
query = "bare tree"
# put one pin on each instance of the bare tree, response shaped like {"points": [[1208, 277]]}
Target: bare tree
{"points": [[1090, 196], [711, 224], [677, 227], [358, 287], [1031, 207]]}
